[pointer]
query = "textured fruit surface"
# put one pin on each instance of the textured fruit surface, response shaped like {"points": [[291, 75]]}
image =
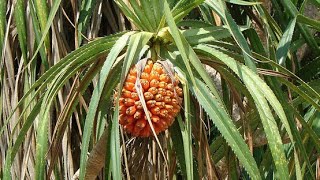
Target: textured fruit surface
{"points": [[162, 97]]}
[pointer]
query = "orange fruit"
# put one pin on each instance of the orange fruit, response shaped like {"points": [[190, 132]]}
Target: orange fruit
{"points": [[162, 96]]}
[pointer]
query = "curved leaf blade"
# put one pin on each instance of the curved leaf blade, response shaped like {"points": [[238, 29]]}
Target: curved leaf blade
{"points": [[220, 118], [260, 93], [114, 52]]}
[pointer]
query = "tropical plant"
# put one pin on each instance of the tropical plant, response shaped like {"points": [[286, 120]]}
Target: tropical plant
{"points": [[249, 73]]}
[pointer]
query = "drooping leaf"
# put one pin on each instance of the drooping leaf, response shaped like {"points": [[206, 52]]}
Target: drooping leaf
{"points": [[223, 122], [305, 32], [284, 44], [134, 52], [115, 51], [262, 95], [187, 53], [235, 31], [56, 74], [186, 130]]}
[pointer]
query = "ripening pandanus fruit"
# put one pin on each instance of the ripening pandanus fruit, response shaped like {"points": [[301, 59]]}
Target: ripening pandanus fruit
{"points": [[162, 96]]}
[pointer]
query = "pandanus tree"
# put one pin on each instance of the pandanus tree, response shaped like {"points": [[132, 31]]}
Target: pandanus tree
{"points": [[196, 89]]}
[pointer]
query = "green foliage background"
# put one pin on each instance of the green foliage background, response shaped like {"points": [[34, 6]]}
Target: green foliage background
{"points": [[249, 70]]}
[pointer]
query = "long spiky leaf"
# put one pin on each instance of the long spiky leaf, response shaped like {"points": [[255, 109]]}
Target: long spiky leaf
{"points": [[115, 51]]}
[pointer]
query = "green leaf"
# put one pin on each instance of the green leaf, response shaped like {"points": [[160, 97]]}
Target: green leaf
{"points": [[218, 148], [19, 17], [3, 7], [114, 52], [157, 12], [300, 90], [242, 3], [178, 38], [130, 15], [255, 41], [42, 15], [186, 129], [148, 10], [260, 92], [293, 12], [12, 151], [80, 57], [182, 9], [308, 21], [306, 88], [134, 52], [142, 16], [220, 118], [68, 110], [236, 33], [46, 26], [298, 146], [217, 113], [308, 129], [57, 76], [205, 35], [194, 24], [206, 14], [42, 136], [112, 82], [37, 33], [86, 9], [284, 44], [310, 70], [187, 53], [177, 146]]}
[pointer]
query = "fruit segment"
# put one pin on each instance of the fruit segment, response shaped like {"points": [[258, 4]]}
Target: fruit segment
{"points": [[162, 96]]}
